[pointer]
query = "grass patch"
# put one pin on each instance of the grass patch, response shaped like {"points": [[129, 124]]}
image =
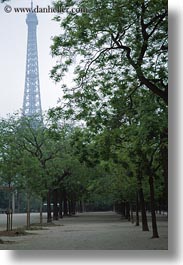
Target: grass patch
{"points": [[14, 232], [34, 228], [52, 224], [37, 225]]}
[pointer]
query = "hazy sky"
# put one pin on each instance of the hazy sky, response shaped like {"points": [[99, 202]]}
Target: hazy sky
{"points": [[13, 44]]}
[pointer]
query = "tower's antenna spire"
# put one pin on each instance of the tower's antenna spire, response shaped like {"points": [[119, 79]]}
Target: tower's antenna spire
{"points": [[31, 5]]}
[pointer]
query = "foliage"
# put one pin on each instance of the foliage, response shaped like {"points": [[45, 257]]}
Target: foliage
{"points": [[120, 48], [106, 137], [119, 53]]}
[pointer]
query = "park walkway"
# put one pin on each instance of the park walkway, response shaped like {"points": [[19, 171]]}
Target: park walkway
{"points": [[97, 231]]}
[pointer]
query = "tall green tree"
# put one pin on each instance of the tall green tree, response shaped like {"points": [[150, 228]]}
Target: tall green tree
{"points": [[117, 44]]}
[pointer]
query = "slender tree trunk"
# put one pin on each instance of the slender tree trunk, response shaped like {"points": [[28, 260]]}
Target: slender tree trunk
{"points": [[65, 203], [60, 205], [123, 209], [73, 207], [153, 213], [28, 211], [127, 211], [13, 202], [41, 212], [11, 220], [18, 202], [7, 221], [79, 206], [137, 209], [8, 224], [142, 201], [164, 159], [55, 207], [143, 211], [70, 208], [49, 219]]}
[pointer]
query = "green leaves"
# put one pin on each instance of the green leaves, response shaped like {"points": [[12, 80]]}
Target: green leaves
{"points": [[124, 37]]}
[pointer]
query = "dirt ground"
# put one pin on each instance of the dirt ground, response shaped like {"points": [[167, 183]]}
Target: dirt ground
{"points": [[91, 231]]}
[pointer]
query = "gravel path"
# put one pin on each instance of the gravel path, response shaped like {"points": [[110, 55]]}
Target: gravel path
{"points": [[87, 231]]}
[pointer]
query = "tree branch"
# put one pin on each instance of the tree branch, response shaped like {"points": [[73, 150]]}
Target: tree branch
{"points": [[158, 22]]}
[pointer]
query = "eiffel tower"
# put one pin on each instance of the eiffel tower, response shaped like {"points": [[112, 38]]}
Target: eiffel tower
{"points": [[32, 98]]}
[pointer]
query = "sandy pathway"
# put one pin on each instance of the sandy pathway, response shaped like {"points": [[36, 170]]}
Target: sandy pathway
{"points": [[96, 231]]}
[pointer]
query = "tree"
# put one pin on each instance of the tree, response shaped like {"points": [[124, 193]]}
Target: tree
{"points": [[9, 161], [118, 44], [29, 179], [28, 149], [121, 53]]}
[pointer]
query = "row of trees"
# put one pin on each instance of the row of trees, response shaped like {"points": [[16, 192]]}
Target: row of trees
{"points": [[115, 146], [39, 161], [119, 53], [65, 165]]}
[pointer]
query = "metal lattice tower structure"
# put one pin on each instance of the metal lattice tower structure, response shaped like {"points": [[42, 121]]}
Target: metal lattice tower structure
{"points": [[32, 98]]}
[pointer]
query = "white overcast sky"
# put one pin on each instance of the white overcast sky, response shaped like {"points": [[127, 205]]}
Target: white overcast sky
{"points": [[13, 44]]}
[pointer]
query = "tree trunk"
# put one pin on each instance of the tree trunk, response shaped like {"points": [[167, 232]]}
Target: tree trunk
{"points": [[143, 210], [49, 219], [137, 210], [55, 207], [79, 207], [28, 211], [60, 205], [73, 207], [41, 212], [164, 159], [11, 220], [70, 207], [127, 206], [13, 202], [123, 209], [65, 203], [153, 213]]}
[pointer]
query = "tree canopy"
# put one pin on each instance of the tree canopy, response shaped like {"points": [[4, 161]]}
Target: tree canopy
{"points": [[118, 46], [107, 141]]}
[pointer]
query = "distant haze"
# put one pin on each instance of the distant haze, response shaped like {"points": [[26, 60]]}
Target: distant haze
{"points": [[13, 45]]}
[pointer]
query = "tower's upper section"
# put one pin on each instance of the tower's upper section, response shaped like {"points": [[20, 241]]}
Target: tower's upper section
{"points": [[32, 97], [31, 17]]}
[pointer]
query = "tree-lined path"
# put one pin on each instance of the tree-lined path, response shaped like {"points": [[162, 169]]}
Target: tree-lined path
{"points": [[105, 145], [95, 230]]}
